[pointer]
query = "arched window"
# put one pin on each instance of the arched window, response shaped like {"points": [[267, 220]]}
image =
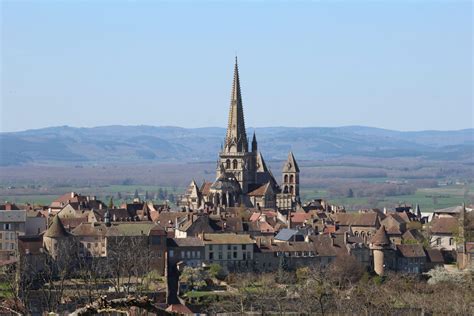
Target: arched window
{"points": [[234, 164], [291, 179], [291, 189], [285, 179], [227, 164], [285, 190]]}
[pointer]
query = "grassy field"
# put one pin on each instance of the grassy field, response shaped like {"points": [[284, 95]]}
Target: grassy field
{"points": [[429, 199]]}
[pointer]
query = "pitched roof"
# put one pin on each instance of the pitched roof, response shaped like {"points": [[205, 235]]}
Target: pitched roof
{"points": [[261, 190], [434, 255], [179, 309], [13, 216], [185, 242], [413, 234], [227, 239], [411, 250], [56, 229], [357, 219], [450, 210], [205, 187], [380, 238], [444, 225], [286, 234], [116, 229], [290, 164]]}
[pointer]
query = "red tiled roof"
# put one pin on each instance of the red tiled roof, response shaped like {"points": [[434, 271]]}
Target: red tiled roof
{"points": [[380, 238], [205, 188], [357, 219], [411, 251], [444, 225], [300, 217], [259, 191], [179, 308]]}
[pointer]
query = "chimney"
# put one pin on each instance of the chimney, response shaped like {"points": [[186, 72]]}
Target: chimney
{"points": [[100, 206], [72, 195], [385, 210]]}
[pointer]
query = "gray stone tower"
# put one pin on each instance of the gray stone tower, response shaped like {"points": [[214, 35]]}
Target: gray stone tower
{"points": [[235, 157], [291, 176]]}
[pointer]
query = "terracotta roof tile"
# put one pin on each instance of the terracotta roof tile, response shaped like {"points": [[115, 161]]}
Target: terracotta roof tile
{"points": [[380, 238], [444, 225]]}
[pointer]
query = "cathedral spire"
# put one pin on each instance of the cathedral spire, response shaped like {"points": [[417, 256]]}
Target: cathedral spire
{"points": [[236, 137]]}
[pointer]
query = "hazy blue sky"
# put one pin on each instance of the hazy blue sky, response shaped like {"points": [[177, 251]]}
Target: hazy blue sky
{"points": [[403, 65]]}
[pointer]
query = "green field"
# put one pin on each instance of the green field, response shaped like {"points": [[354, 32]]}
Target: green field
{"points": [[429, 199]]}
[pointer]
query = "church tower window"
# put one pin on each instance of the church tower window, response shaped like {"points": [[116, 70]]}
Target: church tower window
{"points": [[227, 164], [234, 164]]}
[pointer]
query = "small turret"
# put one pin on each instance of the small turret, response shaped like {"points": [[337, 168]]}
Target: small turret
{"points": [[254, 143], [380, 244]]}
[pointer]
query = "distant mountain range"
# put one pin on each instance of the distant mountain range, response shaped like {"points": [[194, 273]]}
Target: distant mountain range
{"points": [[133, 144]]}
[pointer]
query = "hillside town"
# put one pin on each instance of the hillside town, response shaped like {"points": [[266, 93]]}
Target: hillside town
{"points": [[79, 253]]}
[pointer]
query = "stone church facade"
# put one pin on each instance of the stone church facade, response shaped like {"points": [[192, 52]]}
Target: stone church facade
{"points": [[242, 177]]}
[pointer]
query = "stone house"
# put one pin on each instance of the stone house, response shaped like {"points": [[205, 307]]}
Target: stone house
{"points": [[188, 251], [363, 225], [232, 251]]}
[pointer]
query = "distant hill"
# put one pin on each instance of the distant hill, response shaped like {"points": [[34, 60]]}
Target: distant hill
{"points": [[150, 143]]}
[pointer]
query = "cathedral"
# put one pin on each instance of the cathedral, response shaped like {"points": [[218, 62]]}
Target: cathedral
{"points": [[243, 178]]}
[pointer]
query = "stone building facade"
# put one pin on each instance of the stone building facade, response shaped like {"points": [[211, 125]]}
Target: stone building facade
{"points": [[242, 177]]}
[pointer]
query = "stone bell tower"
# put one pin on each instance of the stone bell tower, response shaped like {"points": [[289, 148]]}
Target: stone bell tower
{"points": [[291, 177]]}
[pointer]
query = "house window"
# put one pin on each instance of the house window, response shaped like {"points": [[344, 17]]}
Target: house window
{"points": [[451, 241], [235, 254], [286, 179], [188, 254], [220, 255], [228, 247], [7, 226], [228, 256], [291, 189]]}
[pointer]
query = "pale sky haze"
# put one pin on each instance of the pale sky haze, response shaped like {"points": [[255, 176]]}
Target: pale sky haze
{"points": [[404, 65]]}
